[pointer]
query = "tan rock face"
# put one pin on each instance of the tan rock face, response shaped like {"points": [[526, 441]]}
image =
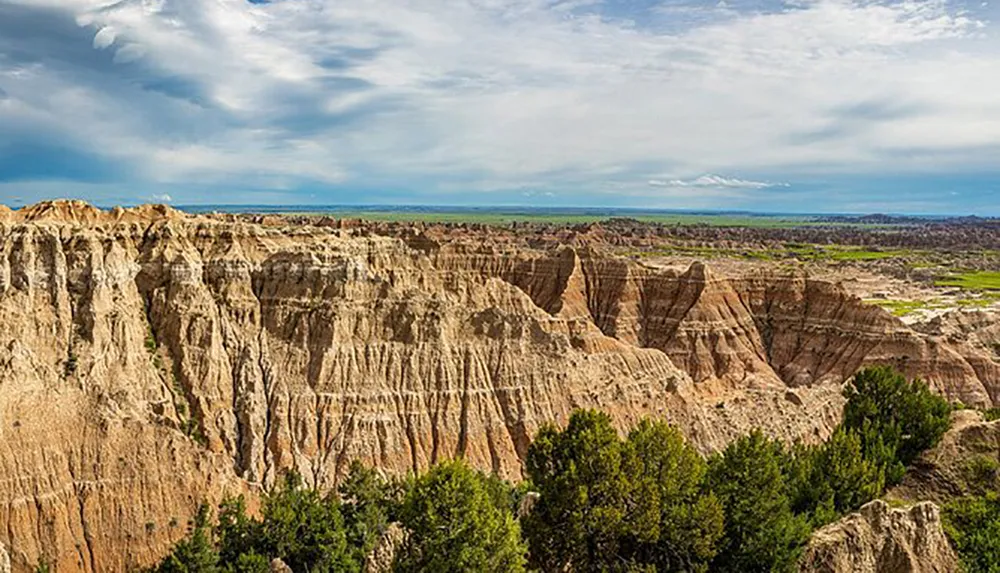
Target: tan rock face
{"points": [[150, 361], [880, 539], [381, 558]]}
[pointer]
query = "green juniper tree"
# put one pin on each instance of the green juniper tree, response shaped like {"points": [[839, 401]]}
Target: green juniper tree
{"points": [[672, 476], [834, 478], [196, 553], [895, 419], [454, 524], [305, 530], [369, 502], [761, 534], [612, 505], [583, 475]]}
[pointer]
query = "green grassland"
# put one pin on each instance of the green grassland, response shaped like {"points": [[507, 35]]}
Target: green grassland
{"points": [[814, 253], [501, 216], [977, 280], [865, 255], [900, 307], [506, 218], [983, 287], [987, 299], [903, 307]]}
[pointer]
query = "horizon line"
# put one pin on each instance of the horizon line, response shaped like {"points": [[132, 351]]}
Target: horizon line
{"points": [[293, 208]]}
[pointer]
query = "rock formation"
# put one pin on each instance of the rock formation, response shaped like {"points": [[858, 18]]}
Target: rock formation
{"points": [[151, 360], [881, 539], [381, 558]]}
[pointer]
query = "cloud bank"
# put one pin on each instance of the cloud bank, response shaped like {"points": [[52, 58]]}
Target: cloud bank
{"points": [[494, 101]]}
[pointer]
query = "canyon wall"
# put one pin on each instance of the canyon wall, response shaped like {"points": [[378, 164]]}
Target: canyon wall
{"points": [[151, 360]]}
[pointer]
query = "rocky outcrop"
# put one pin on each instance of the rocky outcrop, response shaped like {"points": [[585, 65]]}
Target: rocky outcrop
{"points": [[279, 566], [881, 539], [381, 558], [151, 360]]}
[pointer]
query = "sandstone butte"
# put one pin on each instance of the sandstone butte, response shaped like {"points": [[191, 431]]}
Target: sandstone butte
{"points": [[151, 360]]}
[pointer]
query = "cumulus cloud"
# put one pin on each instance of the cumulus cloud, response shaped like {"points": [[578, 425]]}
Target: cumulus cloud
{"points": [[715, 181], [463, 95], [104, 38], [163, 198]]}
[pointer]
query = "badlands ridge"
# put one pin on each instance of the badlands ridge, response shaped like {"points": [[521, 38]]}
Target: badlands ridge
{"points": [[152, 360]]}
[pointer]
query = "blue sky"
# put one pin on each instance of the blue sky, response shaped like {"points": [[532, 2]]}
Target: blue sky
{"points": [[798, 106]]}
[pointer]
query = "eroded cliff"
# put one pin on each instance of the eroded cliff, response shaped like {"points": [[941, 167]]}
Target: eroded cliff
{"points": [[150, 360]]}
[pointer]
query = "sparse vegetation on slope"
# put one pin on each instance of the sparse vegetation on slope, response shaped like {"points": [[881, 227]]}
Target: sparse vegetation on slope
{"points": [[973, 524]]}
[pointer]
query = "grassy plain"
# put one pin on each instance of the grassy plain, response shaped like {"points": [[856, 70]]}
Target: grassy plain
{"points": [[977, 280], [506, 218], [900, 307], [814, 253]]}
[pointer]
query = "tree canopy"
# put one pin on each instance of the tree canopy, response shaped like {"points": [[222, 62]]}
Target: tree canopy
{"points": [[762, 533], [455, 524], [894, 419], [610, 504]]}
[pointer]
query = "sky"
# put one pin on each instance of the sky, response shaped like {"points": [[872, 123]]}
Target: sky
{"points": [[799, 106]]}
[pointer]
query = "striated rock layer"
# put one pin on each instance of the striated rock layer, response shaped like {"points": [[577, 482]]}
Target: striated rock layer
{"points": [[151, 360]]}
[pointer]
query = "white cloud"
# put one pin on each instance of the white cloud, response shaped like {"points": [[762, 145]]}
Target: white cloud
{"points": [[163, 198], [104, 38], [511, 91], [715, 181]]}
